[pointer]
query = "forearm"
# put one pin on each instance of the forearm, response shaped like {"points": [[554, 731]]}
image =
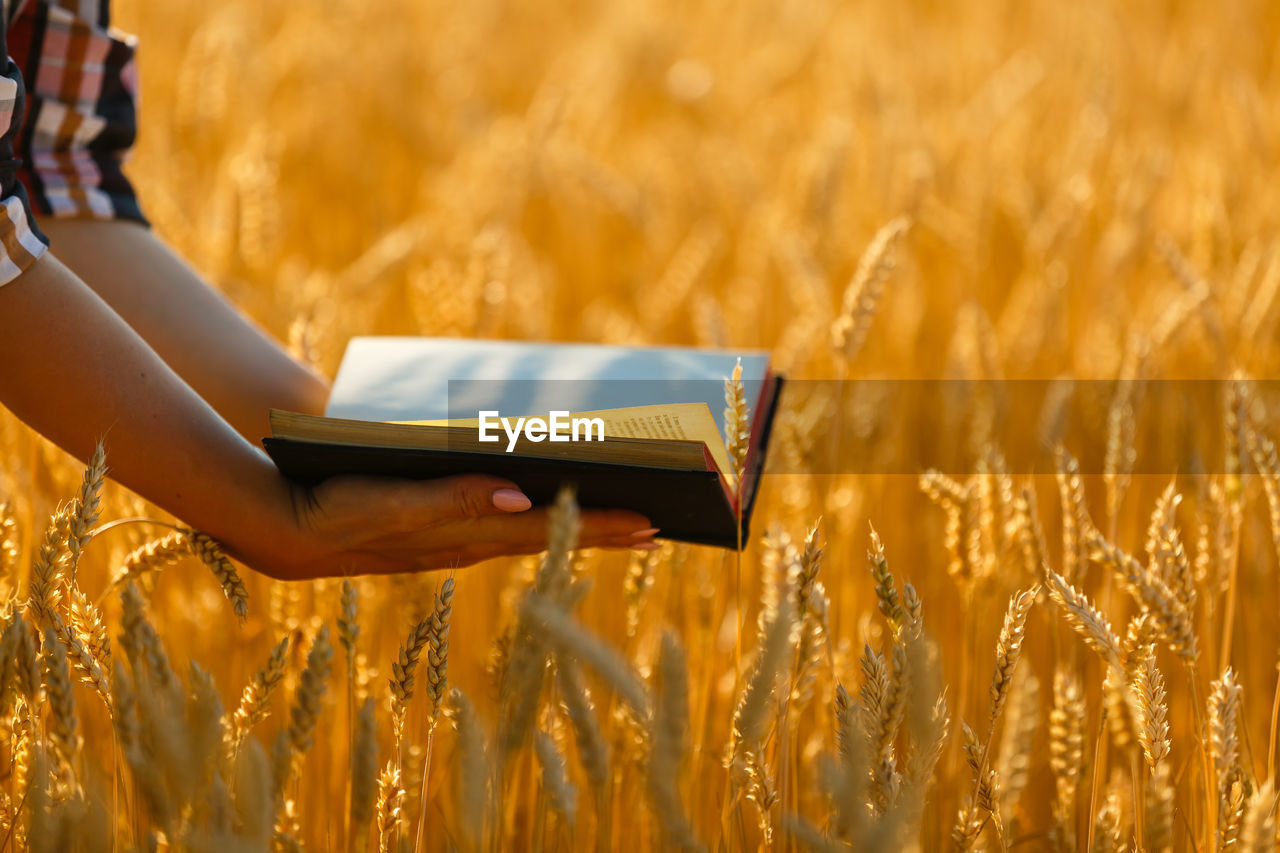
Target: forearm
{"points": [[228, 360], [76, 372]]}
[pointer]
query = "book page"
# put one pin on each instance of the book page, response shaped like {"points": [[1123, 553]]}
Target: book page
{"points": [[403, 379], [678, 421]]}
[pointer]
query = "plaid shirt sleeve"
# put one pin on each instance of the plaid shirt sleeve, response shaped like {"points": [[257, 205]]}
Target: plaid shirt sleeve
{"points": [[21, 242], [80, 120]]}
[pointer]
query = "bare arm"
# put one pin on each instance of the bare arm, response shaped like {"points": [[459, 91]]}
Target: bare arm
{"points": [[229, 361], [75, 371]]}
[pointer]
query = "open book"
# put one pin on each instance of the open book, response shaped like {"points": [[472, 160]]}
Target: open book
{"points": [[637, 428]]}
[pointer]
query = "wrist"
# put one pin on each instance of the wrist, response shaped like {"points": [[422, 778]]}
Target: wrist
{"points": [[266, 531]]}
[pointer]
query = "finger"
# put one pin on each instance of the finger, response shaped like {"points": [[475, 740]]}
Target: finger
{"points": [[631, 540], [502, 533], [527, 542], [526, 532], [624, 545], [613, 523], [464, 496]]}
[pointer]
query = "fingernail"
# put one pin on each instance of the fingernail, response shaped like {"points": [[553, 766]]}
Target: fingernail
{"points": [[646, 546], [511, 500], [641, 534]]}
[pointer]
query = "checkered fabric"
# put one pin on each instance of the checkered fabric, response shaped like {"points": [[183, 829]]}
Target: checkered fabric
{"points": [[80, 119], [20, 240]]}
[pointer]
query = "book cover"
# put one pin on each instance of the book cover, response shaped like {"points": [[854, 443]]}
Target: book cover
{"points": [[409, 407]]}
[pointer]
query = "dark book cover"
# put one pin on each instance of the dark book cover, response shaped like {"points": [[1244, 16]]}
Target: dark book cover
{"points": [[688, 505]]}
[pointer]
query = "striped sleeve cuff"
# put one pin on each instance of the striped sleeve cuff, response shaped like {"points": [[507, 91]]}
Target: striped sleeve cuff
{"points": [[20, 245], [21, 242]]}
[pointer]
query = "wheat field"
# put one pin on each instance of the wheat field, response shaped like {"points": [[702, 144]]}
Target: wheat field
{"points": [[954, 626]]}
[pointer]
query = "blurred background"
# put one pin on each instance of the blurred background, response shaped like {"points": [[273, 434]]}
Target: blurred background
{"points": [[1088, 192]]}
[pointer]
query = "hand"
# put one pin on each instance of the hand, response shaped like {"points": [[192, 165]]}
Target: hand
{"points": [[366, 525]]}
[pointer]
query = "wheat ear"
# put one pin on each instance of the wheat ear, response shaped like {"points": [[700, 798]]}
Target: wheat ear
{"points": [[8, 662], [1153, 733], [561, 794], [26, 662], [364, 770], [1086, 620], [1224, 744], [751, 717], [62, 712], [390, 807], [438, 647], [256, 698], [593, 752], [527, 652], [402, 670], [886, 591], [140, 642], [153, 556], [437, 683], [1009, 649], [307, 698], [570, 638], [737, 425], [1066, 754], [669, 735], [210, 553], [474, 774], [8, 539], [44, 593], [85, 512], [862, 296], [348, 624]]}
